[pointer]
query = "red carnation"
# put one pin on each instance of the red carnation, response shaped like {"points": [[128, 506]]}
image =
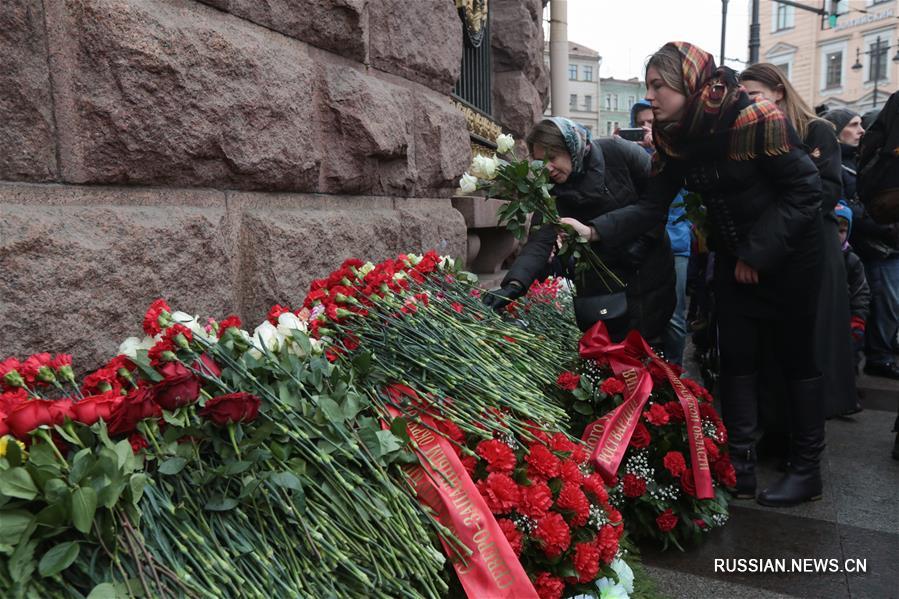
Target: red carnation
{"points": [[656, 415], [276, 311], [31, 369], [698, 390], [548, 586], [231, 408], [667, 520], [229, 322], [536, 499], [469, 462], [568, 381], [137, 442], [586, 562], [711, 449], [641, 437], [675, 463], [700, 523], [570, 472], [561, 443], [457, 307], [707, 411], [31, 414], [580, 454], [634, 486], [553, 533], [499, 456], [594, 485], [152, 324], [9, 372], [612, 386], [607, 542], [675, 411], [450, 431], [91, 409], [179, 387], [572, 499], [725, 473], [542, 461], [687, 483], [513, 535]]}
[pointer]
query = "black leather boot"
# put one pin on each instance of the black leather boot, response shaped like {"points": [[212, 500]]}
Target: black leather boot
{"points": [[802, 482], [739, 408]]}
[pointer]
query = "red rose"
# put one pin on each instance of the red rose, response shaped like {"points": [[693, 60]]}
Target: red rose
{"points": [[634, 486], [586, 562], [568, 381], [91, 409], [687, 483], [137, 442], [594, 485], [641, 437], [179, 388], [725, 473], [675, 463], [675, 411], [536, 499], [513, 535], [542, 461], [711, 449], [553, 534], [656, 415], [570, 472], [667, 520], [230, 408], [548, 586], [499, 456], [29, 415], [136, 406], [152, 326], [207, 366], [612, 386], [572, 499], [607, 542]]}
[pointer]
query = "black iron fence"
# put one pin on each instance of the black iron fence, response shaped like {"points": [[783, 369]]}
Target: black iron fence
{"points": [[475, 84]]}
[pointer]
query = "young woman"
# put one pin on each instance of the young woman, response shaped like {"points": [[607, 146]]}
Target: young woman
{"points": [[763, 197], [819, 138]]}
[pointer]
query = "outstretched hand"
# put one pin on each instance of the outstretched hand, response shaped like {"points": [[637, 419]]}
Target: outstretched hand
{"points": [[585, 231]]}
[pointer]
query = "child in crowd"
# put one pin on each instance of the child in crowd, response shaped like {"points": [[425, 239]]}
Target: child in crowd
{"points": [[859, 293]]}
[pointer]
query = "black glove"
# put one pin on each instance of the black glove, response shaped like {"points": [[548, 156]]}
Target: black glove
{"points": [[502, 297]]}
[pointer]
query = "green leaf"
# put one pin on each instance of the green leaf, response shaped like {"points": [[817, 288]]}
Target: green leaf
{"points": [[21, 562], [143, 364], [105, 590], [58, 559], [56, 491], [220, 504], [237, 467], [388, 442], [138, 483], [55, 515], [84, 505], [109, 495], [12, 524], [13, 454], [125, 456], [288, 480], [172, 466], [173, 419], [16, 482], [330, 409], [81, 463], [351, 405]]}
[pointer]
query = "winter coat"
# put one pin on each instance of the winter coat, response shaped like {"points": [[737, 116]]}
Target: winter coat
{"points": [[615, 173], [859, 292], [765, 211], [825, 151]]}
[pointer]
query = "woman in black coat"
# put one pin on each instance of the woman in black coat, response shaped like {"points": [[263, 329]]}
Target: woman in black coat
{"points": [[592, 178], [762, 193], [835, 356]]}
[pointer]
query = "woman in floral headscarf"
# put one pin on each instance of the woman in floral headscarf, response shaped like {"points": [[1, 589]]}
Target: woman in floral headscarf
{"points": [[762, 194], [590, 178]]}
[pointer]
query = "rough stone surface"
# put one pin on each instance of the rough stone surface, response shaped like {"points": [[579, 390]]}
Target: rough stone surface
{"points": [[282, 249], [77, 279], [27, 146], [172, 92], [517, 41], [366, 134], [442, 150], [516, 102], [339, 26], [420, 40]]}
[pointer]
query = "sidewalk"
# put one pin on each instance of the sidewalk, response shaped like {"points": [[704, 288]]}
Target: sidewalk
{"points": [[858, 518]]}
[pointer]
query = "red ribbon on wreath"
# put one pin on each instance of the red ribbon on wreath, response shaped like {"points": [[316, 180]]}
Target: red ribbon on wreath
{"points": [[609, 436], [442, 484]]}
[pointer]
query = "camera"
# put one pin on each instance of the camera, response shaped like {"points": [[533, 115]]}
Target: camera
{"points": [[636, 134]]}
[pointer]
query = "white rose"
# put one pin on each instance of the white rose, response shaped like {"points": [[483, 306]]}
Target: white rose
{"points": [[504, 143], [289, 322], [610, 590], [483, 167], [190, 322], [266, 337], [624, 573], [130, 345], [468, 184]]}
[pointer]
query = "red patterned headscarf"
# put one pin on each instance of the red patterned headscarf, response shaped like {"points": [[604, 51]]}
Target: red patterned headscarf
{"points": [[719, 118]]}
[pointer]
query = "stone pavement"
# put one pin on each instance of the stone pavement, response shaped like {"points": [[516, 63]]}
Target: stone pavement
{"points": [[858, 518]]}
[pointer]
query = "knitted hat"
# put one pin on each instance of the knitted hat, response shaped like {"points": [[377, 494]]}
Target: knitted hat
{"points": [[840, 117], [845, 212]]}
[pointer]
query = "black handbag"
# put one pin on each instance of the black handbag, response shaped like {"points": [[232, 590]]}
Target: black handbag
{"points": [[590, 309]]}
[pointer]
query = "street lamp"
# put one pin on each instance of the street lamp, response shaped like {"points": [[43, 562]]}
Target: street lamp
{"points": [[876, 52]]}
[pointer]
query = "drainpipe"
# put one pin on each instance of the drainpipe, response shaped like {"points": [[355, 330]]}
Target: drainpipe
{"points": [[558, 56]]}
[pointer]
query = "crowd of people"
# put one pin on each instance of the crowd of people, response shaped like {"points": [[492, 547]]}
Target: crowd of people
{"points": [[739, 191]]}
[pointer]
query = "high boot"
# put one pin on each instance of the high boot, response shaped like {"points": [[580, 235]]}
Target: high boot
{"points": [[739, 407], [802, 482]]}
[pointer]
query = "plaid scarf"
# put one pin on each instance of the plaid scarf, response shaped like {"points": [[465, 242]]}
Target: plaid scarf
{"points": [[719, 117]]}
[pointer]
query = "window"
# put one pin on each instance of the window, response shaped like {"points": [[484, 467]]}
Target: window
{"points": [[572, 72], [588, 103], [608, 129], [616, 126], [631, 100], [783, 16], [615, 103], [588, 73], [572, 102], [877, 68], [873, 2], [608, 101], [833, 63], [841, 7], [784, 68]]}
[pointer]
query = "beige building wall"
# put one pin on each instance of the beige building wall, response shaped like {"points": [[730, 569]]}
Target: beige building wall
{"points": [[583, 87], [805, 46]]}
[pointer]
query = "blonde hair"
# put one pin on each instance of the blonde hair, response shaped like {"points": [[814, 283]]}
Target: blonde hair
{"points": [[793, 106]]}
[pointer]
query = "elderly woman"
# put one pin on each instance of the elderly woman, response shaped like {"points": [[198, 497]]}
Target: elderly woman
{"points": [[592, 178], [763, 196]]}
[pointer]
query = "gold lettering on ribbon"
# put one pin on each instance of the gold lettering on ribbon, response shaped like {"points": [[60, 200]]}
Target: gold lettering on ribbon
{"points": [[702, 461], [617, 431]]}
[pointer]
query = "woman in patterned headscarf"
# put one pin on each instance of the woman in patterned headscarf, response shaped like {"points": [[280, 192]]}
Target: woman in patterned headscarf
{"points": [[762, 194], [590, 178]]}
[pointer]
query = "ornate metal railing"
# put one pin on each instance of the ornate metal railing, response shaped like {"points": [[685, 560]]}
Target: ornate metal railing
{"points": [[475, 84]]}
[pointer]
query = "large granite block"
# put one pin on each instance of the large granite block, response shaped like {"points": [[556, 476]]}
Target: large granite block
{"points": [[442, 149]]}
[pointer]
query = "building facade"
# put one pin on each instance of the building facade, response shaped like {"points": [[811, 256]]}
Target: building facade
{"points": [[837, 63], [618, 95], [583, 86]]}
